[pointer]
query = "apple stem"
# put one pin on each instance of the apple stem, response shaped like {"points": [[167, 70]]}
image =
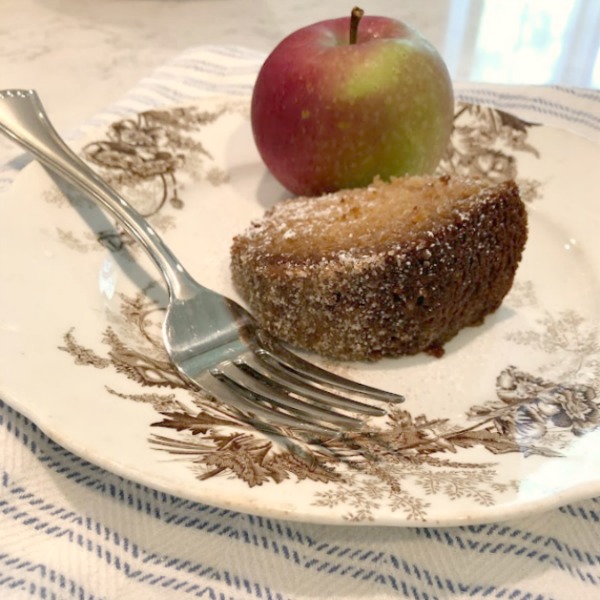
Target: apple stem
{"points": [[355, 17]]}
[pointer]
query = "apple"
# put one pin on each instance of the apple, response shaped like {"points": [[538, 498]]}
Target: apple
{"points": [[344, 100]]}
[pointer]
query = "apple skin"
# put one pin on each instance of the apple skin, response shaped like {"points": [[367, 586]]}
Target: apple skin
{"points": [[327, 114]]}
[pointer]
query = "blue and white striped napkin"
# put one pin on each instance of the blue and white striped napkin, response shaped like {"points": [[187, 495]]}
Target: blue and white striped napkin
{"points": [[68, 529]]}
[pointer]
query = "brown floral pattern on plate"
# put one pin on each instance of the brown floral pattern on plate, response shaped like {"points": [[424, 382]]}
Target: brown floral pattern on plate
{"points": [[148, 158], [530, 415], [400, 460], [485, 144]]}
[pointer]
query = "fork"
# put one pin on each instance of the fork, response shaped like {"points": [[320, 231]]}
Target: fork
{"points": [[215, 344]]}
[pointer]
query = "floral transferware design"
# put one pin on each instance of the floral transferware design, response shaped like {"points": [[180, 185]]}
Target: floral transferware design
{"points": [[402, 461], [485, 143], [149, 158], [384, 464]]}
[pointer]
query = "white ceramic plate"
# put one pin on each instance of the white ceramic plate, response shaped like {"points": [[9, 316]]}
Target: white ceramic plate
{"points": [[504, 424]]}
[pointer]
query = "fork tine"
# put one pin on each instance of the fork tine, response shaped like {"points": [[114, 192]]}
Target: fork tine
{"points": [[272, 372], [257, 392], [275, 353], [242, 372], [269, 428], [249, 404]]}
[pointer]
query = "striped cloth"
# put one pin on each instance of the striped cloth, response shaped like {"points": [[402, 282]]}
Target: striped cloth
{"points": [[68, 529]]}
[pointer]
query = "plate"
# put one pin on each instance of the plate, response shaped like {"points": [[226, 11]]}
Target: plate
{"points": [[505, 423]]}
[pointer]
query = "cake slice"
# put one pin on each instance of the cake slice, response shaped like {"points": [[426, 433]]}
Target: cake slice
{"points": [[392, 269]]}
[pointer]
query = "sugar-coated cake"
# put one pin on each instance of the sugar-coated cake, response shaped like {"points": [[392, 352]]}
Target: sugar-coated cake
{"points": [[392, 269]]}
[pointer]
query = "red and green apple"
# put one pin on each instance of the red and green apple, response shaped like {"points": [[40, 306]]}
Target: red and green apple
{"points": [[344, 100]]}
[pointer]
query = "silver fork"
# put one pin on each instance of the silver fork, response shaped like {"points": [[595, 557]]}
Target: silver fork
{"points": [[214, 343]]}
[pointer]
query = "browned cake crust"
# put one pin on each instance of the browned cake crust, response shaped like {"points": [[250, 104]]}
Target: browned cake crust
{"points": [[392, 269]]}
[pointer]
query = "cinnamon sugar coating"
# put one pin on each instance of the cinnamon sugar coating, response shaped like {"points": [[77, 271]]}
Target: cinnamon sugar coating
{"points": [[393, 269]]}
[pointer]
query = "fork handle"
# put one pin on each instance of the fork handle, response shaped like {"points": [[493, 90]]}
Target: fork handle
{"points": [[24, 120]]}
